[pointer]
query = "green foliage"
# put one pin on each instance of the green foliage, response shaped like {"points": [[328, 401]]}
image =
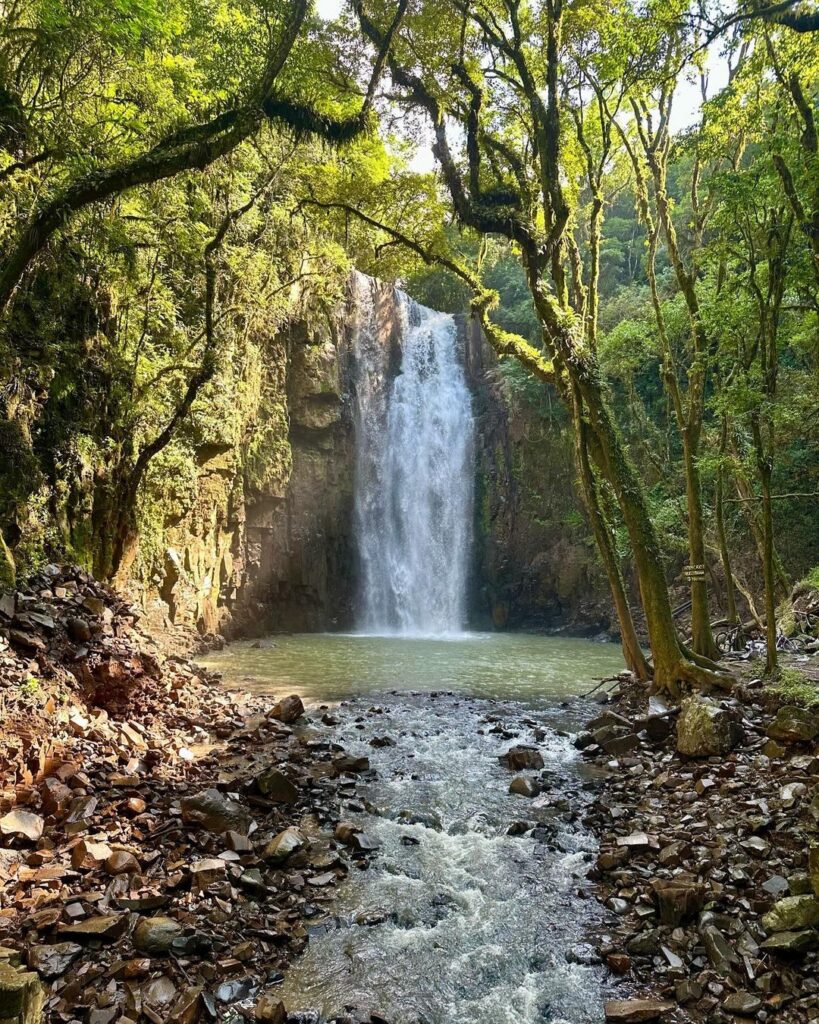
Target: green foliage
{"points": [[30, 686], [109, 329], [438, 288], [523, 390], [811, 579], [630, 347], [794, 687]]}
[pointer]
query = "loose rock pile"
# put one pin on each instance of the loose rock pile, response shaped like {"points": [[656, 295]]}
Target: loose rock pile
{"points": [[166, 847], [709, 856]]}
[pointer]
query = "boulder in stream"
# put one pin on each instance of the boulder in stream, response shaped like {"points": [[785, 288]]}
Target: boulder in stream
{"points": [[520, 758], [522, 786], [269, 1009], [288, 709]]}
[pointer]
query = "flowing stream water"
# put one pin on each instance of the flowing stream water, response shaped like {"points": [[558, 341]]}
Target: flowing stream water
{"points": [[457, 921]]}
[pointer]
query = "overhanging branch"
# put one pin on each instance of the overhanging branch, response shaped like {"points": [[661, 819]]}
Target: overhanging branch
{"points": [[484, 218], [503, 342], [198, 146]]}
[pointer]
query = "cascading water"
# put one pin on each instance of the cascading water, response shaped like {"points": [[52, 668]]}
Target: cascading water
{"points": [[414, 471], [470, 912]]}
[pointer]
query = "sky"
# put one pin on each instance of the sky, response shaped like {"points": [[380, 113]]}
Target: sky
{"points": [[328, 9], [684, 112]]}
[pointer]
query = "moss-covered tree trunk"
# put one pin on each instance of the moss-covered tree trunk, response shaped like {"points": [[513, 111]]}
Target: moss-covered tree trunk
{"points": [[764, 468], [667, 655], [748, 500], [686, 390], [702, 639], [719, 515], [632, 650]]}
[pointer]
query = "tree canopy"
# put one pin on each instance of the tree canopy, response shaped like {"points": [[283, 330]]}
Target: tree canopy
{"points": [[179, 181]]}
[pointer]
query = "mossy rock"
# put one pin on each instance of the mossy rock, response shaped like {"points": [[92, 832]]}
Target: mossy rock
{"points": [[813, 867], [792, 914], [706, 729], [794, 725], [21, 995], [785, 618]]}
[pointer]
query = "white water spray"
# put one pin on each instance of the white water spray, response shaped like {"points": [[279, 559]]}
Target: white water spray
{"points": [[414, 471]]}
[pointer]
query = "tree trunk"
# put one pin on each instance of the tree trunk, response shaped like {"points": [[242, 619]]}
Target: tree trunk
{"points": [[689, 421], [672, 663], [771, 661], [719, 511], [748, 500], [768, 573], [702, 640], [632, 651]]}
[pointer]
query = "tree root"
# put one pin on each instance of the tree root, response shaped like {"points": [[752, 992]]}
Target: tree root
{"points": [[714, 675], [700, 659], [706, 678], [692, 670]]}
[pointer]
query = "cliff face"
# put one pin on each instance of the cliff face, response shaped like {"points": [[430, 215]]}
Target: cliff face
{"points": [[246, 518], [266, 547], [260, 551], [298, 548], [535, 561], [263, 538]]}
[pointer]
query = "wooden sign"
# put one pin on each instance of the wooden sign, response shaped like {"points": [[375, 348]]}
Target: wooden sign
{"points": [[694, 572]]}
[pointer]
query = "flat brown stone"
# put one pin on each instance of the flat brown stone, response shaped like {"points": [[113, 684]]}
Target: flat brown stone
{"points": [[108, 927], [633, 1011]]}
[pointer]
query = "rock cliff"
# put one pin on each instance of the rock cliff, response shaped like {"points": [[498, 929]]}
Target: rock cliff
{"points": [[245, 519], [269, 547], [536, 565]]}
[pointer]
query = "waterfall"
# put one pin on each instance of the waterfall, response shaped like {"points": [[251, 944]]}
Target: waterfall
{"points": [[414, 470]]}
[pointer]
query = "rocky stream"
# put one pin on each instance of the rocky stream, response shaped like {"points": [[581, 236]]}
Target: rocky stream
{"points": [[177, 848]]}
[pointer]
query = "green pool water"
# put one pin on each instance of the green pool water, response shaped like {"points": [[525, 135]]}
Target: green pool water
{"points": [[533, 669]]}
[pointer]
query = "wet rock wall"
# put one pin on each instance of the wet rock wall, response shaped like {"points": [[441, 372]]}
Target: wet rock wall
{"points": [[536, 566]]}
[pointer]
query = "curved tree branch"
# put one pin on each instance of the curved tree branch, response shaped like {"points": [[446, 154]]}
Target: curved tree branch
{"points": [[196, 147], [483, 301], [485, 218]]}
